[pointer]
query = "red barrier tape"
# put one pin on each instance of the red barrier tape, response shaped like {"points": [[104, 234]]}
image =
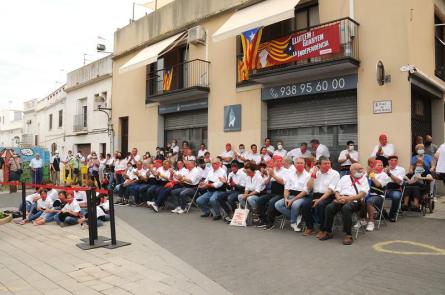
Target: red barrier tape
{"points": [[65, 188]]}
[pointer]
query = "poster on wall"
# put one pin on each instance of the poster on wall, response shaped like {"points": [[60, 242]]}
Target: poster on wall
{"points": [[232, 118], [300, 46]]}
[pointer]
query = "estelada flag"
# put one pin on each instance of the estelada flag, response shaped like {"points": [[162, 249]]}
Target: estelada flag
{"points": [[250, 41], [168, 76]]}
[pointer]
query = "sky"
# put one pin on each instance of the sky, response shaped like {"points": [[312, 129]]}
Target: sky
{"points": [[42, 40]]}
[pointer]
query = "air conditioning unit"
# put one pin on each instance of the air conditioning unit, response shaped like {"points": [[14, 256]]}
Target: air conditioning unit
{"points": [[28, 122], [196, 35]]}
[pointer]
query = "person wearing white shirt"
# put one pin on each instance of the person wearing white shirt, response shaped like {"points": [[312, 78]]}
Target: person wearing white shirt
{"points": [[70, 212], [214, 183], [38, 207], [379, 181], [319, 150], [383, 150], [301, 152], [189, 186], [53, 208], [264, 155], [202, 150], [347, 157], [164, 175], [266, 204], [295, 189], [280, 151], [133, 158], [140, 175], [322, 183], [440, 158], [394, 187], [349, 193], [253, 155], [236, 183], [254, 186], [36, 165], [228, 155], [270, 148], [242, 155]]}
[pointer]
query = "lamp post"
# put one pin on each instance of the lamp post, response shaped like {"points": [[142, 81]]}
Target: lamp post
{"points": [[109, 125]]}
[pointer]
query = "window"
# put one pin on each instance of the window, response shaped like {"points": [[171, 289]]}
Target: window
{"points": [[85, 115], [440, 47], [50, 121], [307, 16], [60, 118]]}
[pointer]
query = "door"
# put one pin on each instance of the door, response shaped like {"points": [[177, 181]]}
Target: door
{"points": [[421, 117], [190, 126]]}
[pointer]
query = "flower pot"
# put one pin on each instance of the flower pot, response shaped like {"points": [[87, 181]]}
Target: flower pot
{"points": [[7, 218]]}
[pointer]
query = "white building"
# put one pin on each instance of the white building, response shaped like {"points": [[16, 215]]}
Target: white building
{"points": [[11, 128], [88, 89]]}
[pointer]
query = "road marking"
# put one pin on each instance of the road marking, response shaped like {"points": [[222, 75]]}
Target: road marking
{"points": [[380, 247]]}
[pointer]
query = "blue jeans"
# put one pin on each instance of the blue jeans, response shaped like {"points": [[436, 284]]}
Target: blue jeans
{"points": [[37, 176], [395, 196], [292, 212], [68, 220], [210, 198], [48, 217], [33, 217], [182, 195], [253, 201]]}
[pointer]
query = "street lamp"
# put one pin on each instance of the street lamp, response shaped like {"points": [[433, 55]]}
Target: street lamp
{"points": [[109, 124]]}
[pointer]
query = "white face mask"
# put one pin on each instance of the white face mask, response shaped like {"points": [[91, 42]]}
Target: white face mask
{"points": [[280, 147], [242, 150], [173, 144], [420, 152], [350, 147], [358, 175]]}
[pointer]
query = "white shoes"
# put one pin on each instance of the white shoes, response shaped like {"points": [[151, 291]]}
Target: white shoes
{"points": [[150, 203], [178, 210], [370, 226], [295, 227], [155, 207], [299, 217]]}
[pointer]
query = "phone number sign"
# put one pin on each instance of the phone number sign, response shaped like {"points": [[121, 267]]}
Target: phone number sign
{"points": [[310, 87]]}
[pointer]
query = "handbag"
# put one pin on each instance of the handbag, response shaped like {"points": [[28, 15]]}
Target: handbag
{"points": [[240, 217]]}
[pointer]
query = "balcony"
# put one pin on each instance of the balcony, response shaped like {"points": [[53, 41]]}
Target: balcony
{"points": [[183, 81], [80, 123], [341, 55]]}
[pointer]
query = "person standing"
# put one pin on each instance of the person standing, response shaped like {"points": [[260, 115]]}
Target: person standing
{"points": [[430, 147], [347, 157], [55, 168], [383, 150], [36, 165], [440, 157], [319, 150], [15, 168]]}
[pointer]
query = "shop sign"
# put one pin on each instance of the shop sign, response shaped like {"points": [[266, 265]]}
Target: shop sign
{"points": [[310, 87], [382, 106], [183, 106], [232, 118], [300, 46]]}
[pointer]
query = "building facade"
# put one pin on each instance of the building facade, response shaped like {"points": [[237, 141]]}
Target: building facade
{"points": [[11, 131], [335, 70], [88, 90]]}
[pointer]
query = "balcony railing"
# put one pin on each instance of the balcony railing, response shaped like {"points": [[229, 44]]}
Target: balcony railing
{"points": [[348, 40], [27, 139], [80, 123], [182, 76]]}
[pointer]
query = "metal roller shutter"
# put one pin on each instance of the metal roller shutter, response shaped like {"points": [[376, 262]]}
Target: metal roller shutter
{"points": [[185, 120], [340, 109]]}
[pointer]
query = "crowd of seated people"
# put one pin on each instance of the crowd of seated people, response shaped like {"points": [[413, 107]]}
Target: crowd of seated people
{"points": [[300, 184]]}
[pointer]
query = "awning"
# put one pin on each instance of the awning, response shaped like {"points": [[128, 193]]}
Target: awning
{"points": [[261, 14], [151, 53]]}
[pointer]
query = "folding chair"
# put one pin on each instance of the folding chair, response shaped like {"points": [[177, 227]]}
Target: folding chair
{"points": [[379, 211], [192, 201]]}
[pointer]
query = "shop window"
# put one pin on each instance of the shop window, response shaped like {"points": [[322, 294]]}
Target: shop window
{"points": [[440, 47]]}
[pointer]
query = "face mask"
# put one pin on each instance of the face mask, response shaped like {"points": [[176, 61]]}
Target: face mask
{"points": [[420, 152], [300, 168], [379, 169], [419, 170], [351, 147], [242, 150], [173, 144], [358, 175], [280, 147]]}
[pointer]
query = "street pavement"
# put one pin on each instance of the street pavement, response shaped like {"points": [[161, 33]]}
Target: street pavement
{"points": [[255, 261]]}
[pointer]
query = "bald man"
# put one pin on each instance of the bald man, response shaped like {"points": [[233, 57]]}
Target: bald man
{"points": [[349, 194], [383, 150]]}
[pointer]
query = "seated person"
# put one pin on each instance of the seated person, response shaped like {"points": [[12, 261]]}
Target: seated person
{"points": [[214, 188], [30, 201], [70, 213], [322, 183], [347, 157], [189, 184], [349, 193], [378, 181], [416, 186], [54, 207], [236, 183], [254, 186], [295, 189], [428, 161], [264, 156], [164, 175], [38, 208], [394, 187], [383, 150]]}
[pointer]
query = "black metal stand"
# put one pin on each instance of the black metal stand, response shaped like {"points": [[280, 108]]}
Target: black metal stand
{"points": [[94, 241], [23, 201]]}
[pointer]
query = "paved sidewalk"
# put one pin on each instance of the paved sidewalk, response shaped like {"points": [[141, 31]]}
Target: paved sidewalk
{"points": [[46, 260]]}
